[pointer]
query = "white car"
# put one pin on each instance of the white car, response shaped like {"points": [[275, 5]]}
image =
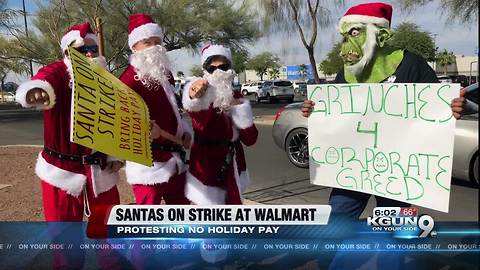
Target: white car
{"points": [[249, 88], [7, 97], [275, 90]]}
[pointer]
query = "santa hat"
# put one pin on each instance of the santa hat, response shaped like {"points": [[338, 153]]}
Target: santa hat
{"points": [[379, 14], [76, 34], [210, 50], [141, 26]]}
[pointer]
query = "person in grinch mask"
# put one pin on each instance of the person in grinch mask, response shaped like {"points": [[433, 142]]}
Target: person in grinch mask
{"points": [[368, 59], [365, 28]]}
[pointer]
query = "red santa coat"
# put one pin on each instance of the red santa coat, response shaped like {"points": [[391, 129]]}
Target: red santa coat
{"points": [[164, 110], [67, 175], [202, 186]]}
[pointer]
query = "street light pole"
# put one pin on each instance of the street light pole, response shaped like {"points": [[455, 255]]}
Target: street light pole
{"points": [[26, 32]]}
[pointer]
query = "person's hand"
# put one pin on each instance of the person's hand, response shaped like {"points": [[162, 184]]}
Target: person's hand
{"points": [[457, 104], [154, 130], [236, 101], [198, 88], [37, 97], [113, 166], [187, 140], [307, 107]]}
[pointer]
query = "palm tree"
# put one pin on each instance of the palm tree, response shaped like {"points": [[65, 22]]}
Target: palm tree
{"points": [[445, 58]]}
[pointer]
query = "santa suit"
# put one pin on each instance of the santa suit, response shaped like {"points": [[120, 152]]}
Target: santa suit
{"points": [[214, 132], [63, 181], [166, 178]]}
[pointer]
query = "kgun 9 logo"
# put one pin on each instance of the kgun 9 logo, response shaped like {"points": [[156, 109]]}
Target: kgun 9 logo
{"points": [[401, 219]]}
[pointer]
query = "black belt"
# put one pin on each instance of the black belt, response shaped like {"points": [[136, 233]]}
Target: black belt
{"points": [[213, 143], [220, 143], [93, 159], [171, 148]]}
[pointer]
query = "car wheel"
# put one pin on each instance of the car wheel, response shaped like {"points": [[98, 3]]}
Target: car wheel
{"points": [[244, 92], [296, 146], [269, 98], [257, 98], [473, 170]]}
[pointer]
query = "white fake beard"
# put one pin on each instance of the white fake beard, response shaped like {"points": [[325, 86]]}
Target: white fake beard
{"points": [[222, 82], [100, 60], [152, 66], [368, 51]]}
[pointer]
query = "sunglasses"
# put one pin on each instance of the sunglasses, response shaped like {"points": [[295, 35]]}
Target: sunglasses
{"points": [[86, 49], [211, 69]]}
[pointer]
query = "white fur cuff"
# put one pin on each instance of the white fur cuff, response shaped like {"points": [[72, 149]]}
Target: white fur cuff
{"points": [[197, 104], [21, 95], [242, 114]]}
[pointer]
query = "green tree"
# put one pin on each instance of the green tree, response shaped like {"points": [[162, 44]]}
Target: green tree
{"points": [[445, 58], [333, 62], [273, 73], [262, 62], [239, 60], [185, 24], [304, 16], [409, 36], [196, 71], [465, 11], [9, 64]]}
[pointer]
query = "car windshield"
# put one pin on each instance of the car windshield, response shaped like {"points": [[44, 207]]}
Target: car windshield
{"points": [[282, 83]]}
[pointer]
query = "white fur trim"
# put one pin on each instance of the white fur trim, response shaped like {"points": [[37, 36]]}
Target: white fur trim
{"points": [[159, 173], [187, 129], [243, 181], [106, 180], [242, 114], [72, 38], [70, 182], [21, 95], [143, 32], [381, 22], [201, 194], [197, 104], [216, 50], [93, 37]]}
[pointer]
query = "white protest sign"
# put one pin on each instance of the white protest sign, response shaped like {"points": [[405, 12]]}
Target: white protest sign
{"points": [[390, 140]]}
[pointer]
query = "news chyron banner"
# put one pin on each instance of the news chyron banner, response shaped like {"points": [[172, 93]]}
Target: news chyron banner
{"points": [[391, 140], [217, 221], [107, 115]]}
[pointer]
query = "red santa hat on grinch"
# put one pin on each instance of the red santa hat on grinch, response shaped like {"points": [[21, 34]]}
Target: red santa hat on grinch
{"points": [[141, 26], [75, 36], [211, 50], [379, 14]]}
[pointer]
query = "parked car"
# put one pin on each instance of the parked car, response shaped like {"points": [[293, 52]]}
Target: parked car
{"points": [[300, 88], [445, 79], [237, 87], [275, 90], [312, 81], [290, 133], [250, 88], [7, 97]]}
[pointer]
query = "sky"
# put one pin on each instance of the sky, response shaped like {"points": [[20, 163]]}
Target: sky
{"points": [[461, 39]]}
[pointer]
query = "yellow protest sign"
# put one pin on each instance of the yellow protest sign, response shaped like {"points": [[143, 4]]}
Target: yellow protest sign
{"points": [[107, 115]]}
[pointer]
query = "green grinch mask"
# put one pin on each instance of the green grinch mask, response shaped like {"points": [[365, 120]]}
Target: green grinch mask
{"points": [[366, 58]]}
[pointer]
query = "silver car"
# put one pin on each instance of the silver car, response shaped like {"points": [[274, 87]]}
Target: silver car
{"points": [[275, 90], [290, 133]]}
